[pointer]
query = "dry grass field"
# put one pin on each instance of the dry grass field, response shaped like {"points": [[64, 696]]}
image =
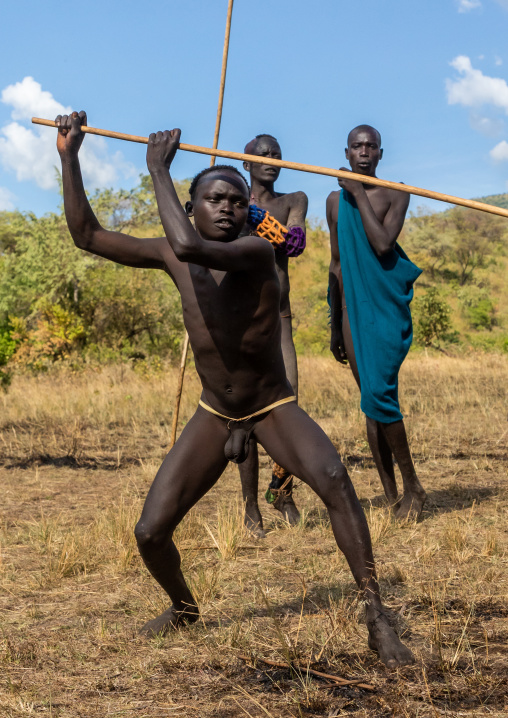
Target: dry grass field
{"points": [[77, 455]]}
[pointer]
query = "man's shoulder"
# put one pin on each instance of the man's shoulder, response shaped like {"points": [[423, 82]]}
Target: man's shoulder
{"points": [[292, 198], [394, 196], [254, 241], [298, 195], [263, 250], [333, 198]]}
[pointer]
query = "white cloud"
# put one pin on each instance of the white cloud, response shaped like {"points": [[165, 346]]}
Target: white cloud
{"points": [[503, 3], [498, 61], [499, 153], [473, 88], [467, 5], [31, 152], [488, 126], [6, 199], [27, 97]]}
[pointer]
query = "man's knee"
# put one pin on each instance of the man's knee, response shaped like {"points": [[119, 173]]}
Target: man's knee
{"points": [[152, 534], [334, 481]]}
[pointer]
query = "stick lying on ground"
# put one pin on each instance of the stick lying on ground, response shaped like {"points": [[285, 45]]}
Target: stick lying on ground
{"points": [[336, 679], [471, 203]]}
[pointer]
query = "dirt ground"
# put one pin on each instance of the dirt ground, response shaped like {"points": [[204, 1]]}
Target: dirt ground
{"points": [[77, 455]]}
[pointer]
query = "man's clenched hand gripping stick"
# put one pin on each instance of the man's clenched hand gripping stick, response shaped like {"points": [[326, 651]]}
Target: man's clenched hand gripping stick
{"points": [[343, 174]]}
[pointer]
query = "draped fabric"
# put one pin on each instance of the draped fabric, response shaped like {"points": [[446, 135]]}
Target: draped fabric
{"points": [[378, 292]]}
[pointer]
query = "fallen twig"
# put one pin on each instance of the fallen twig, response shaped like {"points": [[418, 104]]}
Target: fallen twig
{"points": [[213, 548], [337, 680]]}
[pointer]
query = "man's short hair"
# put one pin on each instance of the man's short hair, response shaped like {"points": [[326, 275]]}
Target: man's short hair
{"points": [[215, 168], [251, 146], [362, 128]]}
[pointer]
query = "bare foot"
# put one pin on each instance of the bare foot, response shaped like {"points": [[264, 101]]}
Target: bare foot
{"points": [[168, 621], [383, 639], [253, 521], [411, 504], [285, 504]]}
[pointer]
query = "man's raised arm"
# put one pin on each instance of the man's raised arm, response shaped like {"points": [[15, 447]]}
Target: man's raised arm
{"points": [[84, 226], [298, 210], [206, 245], [381, 235]]}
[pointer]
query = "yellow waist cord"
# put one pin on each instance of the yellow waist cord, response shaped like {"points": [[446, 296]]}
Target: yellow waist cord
{"points": [[250, 416]]}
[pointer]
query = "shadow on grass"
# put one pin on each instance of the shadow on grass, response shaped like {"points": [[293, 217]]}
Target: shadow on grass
{"points": [[358, 461], [452, 498], [455, 497], [69, 462]]}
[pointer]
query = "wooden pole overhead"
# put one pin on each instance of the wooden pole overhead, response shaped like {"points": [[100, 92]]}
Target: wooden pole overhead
{"points": [[328, 171]]}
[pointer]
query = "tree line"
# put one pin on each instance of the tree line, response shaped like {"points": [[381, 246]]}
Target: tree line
{"points": [[60, 304]]}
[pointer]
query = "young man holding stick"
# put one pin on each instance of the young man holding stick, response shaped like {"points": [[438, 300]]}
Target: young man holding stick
{"points": [[230, 298], [371, 287]]}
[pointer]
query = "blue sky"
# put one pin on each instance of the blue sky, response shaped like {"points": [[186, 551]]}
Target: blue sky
{"points": [[430, 75]]}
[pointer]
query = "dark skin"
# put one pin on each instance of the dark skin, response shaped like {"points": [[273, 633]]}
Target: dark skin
{"points": [[383, 212], [230, 298], [290, 210]]}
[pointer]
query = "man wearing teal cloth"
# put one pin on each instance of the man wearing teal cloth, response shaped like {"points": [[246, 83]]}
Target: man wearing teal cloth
{"points": [[371, 287]]}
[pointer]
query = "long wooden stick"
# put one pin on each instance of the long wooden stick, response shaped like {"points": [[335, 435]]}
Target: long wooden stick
{"points": [[185, 350], [222, 81], [338, 680], [179, 388], [315, 169]]}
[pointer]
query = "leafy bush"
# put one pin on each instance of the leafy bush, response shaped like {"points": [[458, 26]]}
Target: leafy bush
{"points": [[431, 318], [477, 307], [426, 238], [7, 349], [65, 301], [489, 341], [476, 235], [54, 335]]}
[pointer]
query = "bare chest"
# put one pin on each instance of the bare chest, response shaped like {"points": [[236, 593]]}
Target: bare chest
{"points": [[278, 207], [224, 308]]}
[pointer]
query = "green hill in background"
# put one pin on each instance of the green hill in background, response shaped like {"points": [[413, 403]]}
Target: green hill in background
{"points": [[499, 200]]}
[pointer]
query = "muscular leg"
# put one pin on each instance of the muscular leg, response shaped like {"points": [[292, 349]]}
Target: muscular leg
{"points": [[295, 441], [284, 501], [379, 446], [414, 496], [249, 469], [190, 469], [249, 476], [383, 459], [385, 441]]}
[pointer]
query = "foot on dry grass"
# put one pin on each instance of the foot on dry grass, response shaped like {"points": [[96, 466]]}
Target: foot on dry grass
{"points": [[168, 621], [383, 639], [411, 504], [253, 521], [285, 504]]}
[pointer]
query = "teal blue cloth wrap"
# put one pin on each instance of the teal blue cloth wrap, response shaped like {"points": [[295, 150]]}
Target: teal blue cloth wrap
{"points": [[378, 291]]}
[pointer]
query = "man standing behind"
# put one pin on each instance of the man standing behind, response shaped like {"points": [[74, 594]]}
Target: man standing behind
{"points": [[288, 210], [371, 287]]}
